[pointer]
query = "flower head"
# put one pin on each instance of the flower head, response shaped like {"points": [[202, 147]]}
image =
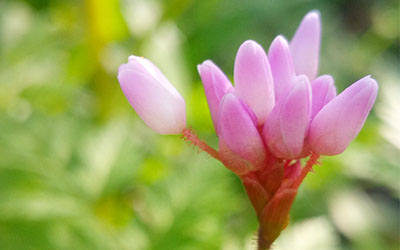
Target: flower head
{"points": [[295, 108], [277, 112]]}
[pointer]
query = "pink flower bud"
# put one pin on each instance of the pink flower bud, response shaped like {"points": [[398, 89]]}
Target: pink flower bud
{"points": [[339, 121], [238, 130], [152, 96], [282, 67], [305, 45], [286, 126], [323, 91], [253, 79], [216, 85]]}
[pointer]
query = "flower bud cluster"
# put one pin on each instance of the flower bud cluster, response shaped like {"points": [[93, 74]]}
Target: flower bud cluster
{"points": [[278, 111]]}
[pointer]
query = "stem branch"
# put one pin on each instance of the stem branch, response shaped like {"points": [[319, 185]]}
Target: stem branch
{"points": [[304, 171], [188, 135]]}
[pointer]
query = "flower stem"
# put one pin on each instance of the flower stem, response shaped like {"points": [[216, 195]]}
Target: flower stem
{"points": [[189, 135], [261, 242], [304, 171], [276, 212]]}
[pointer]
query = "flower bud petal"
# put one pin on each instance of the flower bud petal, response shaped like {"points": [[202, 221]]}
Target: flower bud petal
{"points": [[287, 125], [253, 79], [305, 45], [340, 121], [152, 96], [239, 132], [216, 85], [282, 68], [323, 91]]}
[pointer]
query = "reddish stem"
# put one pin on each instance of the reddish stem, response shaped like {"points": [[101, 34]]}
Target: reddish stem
{"points": [[189, 135], [279, 205], [304, 171]]}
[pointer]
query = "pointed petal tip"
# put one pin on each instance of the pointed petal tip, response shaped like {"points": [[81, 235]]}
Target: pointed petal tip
{"points": [[131, 58], [281, 39], [207, 62], [200, 68], [279, 42], [365, 77], [312, 19], [371, 81], [313, 14], [365, 82], [205, 68], [301, 81], [251, 45], [202, 65], [125, 66], [249, 42]]}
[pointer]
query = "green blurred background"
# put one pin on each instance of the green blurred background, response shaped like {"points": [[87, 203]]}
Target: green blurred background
{"points": [[80, 170]]}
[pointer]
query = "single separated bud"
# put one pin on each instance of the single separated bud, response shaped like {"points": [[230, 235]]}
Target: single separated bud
{"points": [[152, 96], [340, 121]]}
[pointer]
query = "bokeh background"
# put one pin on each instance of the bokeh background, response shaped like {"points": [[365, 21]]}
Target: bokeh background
{"points": [[80, 170]]}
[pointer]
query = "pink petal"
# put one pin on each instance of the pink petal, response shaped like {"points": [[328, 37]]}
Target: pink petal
{"points": [[152, 96], [340, 121], [287, 125], [323, 91], [216, 85], [238, 131], [253, 79], [305, 45], [282, 67]]}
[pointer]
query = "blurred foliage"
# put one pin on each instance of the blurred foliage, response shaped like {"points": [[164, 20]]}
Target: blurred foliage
{"points": [[79, 170]]}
